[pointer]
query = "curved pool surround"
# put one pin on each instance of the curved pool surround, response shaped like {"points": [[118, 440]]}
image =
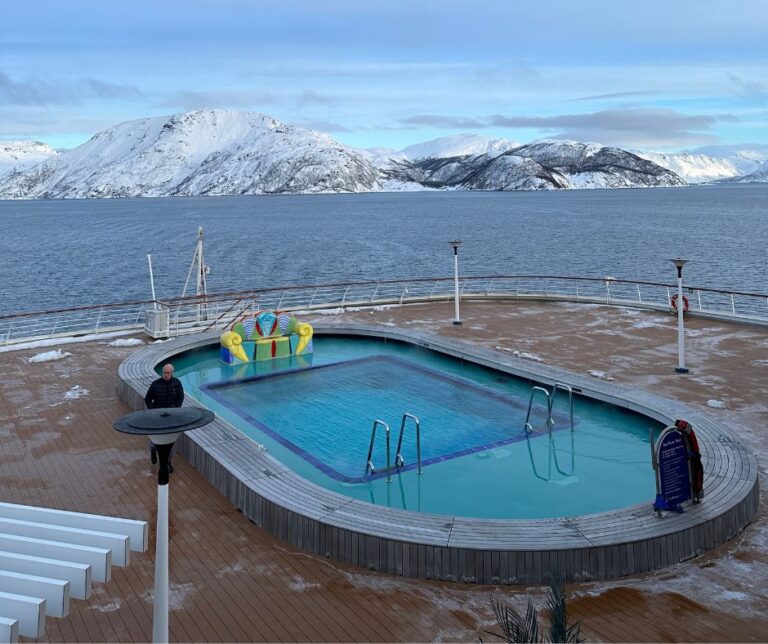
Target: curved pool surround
{"points": [[489, 501], [316, 414]]}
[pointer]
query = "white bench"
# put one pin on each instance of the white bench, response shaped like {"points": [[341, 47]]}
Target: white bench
{"points": [[99, 559], [138, 531], [77, 574], [55, 592], [9, 630], [119, 544], [29, 611]]}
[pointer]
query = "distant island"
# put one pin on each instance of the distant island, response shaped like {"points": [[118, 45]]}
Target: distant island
{"points": [[226, 152]]}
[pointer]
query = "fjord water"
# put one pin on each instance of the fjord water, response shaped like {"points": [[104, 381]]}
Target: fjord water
{"points": [[76, 252]]}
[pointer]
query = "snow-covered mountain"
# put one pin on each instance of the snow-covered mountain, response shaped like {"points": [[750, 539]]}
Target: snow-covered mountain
{"points": [[758, 176], [223, 152], [746, 158], [543, 165], [457, 146], [206, 152], [694, 168], [17, 155]]}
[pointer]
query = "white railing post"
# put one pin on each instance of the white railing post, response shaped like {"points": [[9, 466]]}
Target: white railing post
{"points": [[55, 324], [280, 302], [403, 294], [313, 296], [698, 294], [344, 298], [376, 290], [733, 305], [434, 287], [98, 320], [639, 298], [577, 292], [669, 298], [10, 324]]}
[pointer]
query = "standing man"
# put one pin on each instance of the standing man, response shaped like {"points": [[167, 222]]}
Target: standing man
{"points": [[164, 392]]}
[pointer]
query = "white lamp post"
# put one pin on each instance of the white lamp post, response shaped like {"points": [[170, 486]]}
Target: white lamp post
{"points": [[455, 245], [163, 426], [679, 263]]}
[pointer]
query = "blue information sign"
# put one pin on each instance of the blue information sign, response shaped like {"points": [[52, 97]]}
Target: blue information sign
{"points": [[672, 471]]}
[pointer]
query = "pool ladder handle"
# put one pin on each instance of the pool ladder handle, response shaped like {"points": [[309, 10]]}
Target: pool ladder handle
{"points": [[399, 460], [369, 463], [550, 403]]}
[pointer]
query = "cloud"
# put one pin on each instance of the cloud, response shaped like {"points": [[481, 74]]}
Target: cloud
{"points": [[43, 93], [616, 95], [192, 99], [624, 127], [323, 126], [310, 97], [749, 89], [448, 122]]}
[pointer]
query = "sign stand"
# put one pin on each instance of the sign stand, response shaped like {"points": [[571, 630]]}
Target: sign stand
{"points": [[671, 463]]}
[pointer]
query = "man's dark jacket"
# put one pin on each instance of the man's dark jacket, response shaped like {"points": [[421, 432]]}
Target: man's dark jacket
{"points": [[165, 393]]}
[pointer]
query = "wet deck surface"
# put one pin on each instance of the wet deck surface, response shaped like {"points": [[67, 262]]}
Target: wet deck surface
{"points": [[232, 582]]}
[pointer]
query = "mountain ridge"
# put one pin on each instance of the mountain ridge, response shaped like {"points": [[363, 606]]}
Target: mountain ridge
{"points": [[225, 152]]}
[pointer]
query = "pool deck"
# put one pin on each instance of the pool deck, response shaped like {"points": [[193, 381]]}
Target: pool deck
{"points": [[232, 581]]}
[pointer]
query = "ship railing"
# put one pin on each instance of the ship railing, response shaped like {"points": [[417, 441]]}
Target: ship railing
{"points": [[192, 314]]}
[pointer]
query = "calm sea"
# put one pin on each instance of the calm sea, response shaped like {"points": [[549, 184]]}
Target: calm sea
{"points": [[67, 253]]}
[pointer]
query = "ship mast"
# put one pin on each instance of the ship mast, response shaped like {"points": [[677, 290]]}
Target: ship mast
{"points": [[201, 270]]}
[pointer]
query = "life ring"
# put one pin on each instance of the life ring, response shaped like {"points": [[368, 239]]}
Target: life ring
{"points": [[686, 303]]}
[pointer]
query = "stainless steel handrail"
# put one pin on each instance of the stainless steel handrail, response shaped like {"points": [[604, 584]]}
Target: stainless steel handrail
{"points": [[527, 426], [399, 460], [369, 463], [184, 313]]}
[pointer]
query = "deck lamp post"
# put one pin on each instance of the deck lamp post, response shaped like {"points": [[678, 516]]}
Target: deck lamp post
{"points": [[163, 426], [679, 263], [455, 245]]}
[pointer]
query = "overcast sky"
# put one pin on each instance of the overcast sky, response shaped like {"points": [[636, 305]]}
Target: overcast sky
{"points": [[671, 74]]}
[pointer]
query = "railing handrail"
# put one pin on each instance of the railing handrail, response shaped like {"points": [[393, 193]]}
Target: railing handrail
{"points": [[226, 295]]}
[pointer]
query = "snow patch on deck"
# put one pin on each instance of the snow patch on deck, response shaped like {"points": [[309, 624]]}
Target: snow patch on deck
{"points": [[716, 404], [76, 392], [52, 342], [49, 356], [125, 342]]}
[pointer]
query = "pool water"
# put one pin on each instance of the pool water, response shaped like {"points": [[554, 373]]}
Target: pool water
{"points": [[315, 415]]}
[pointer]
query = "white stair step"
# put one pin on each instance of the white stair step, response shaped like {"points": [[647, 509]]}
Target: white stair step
{"points": [[9, 630], [138, 531], [77, 574], [29, 611], [99, 559], [55, 592], [117, 543]]}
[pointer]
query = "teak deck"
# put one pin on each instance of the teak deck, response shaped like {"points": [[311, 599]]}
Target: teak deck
{"points": [[232, 581]]}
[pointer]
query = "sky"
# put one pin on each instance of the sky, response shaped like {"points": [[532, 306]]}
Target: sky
{"points": [[659, 75]]}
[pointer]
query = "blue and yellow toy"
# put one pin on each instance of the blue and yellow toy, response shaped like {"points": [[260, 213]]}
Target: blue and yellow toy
{"points": [[265, 336]]}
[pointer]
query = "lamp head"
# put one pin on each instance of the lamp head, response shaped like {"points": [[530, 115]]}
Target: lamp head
{"points": [[455, 244], [679, 263]]}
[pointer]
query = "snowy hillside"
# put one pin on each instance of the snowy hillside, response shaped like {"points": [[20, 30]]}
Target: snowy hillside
{"points": [[17, 155], [758, 176], [223, 152], [457, 146], [543, 165], [208, 152], [694, 168]]}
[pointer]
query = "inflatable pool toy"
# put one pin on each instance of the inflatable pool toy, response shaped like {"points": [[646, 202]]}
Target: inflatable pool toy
{"points": [[265, 336]]}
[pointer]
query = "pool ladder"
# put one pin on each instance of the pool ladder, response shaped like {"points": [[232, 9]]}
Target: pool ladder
{"points": [[559, 386], [528, 428], [399, 460]]}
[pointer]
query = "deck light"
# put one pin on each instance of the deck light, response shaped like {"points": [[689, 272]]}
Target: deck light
{"points": [[163, 426], [455, 245], [679, 263]]}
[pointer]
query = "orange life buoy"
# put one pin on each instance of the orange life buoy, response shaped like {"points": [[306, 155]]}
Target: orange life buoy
{"points": [[686, 304]]}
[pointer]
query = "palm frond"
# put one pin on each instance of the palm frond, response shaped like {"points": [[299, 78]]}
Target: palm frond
{"points": [[557, 615], [514, 627]]}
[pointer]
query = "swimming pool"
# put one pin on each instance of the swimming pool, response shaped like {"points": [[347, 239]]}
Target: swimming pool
{"points": [[316, 418]]}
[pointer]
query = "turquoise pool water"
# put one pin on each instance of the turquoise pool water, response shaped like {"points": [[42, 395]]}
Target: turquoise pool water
{"points": [[315, 415]]}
